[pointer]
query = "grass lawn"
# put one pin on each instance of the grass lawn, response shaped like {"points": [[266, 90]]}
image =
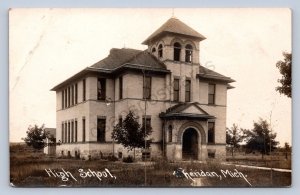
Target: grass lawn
{"points": [[30, 172]]}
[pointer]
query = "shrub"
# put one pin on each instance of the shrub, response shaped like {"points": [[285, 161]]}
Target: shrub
{"points": [[128, 159], [112, 158]]}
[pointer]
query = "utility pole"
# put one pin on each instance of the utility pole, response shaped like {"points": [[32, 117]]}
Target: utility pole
{"points": [[145, 120]]}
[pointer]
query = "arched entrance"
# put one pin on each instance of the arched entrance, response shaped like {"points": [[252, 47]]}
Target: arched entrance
{"points": [[190, 144]]}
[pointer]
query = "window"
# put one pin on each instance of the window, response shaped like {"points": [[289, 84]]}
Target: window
{"points": [[120, 87], [211, 154], [187, 90], [62, 132], [170, 129], [76, 93], [160, 51], [72, 95], [188, 53], [83, 129], [177, 49], [72, 131], [211, 132], [101, 89], [147, 88], [100, 130], [65, 98], [62, 99], [176, 90], [66, 133], [148, 121], [153, 50], [69, 132], [69, 97], [76, 134], [211, 93], [146, 155], [83, 90]]}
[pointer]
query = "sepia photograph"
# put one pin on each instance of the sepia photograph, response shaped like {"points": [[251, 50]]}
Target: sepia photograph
{"points": [[150, 97]]}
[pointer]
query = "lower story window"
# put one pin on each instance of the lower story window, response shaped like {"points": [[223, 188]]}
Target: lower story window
{"points": [[101, 130]]}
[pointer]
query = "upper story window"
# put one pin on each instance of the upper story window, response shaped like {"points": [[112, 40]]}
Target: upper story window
{"points": [[187, 90], [63, 99], [153, 50], [69, 96], [76, 93], [177, 49], [72, 95], [101, 88], [188, 53], [176, 90], [120, 87], [83, 90], [211, 93], [160, 51], [147, 88], [211, 133]]}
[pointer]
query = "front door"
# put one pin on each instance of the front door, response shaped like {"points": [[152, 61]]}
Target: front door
{"points": [[190, 144]]}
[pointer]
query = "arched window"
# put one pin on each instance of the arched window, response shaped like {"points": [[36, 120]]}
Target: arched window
{"points": [[170, 129], [188, 53], [177, 48], [160, 51], [153, 50]]}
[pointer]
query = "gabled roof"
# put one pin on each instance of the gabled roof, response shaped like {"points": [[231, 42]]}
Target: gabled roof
{"points": [[206, 73], [173, 25], [119, 60], [183, 111], [124, 56]]}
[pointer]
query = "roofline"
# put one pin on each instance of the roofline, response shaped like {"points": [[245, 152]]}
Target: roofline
{"points": [[128, 66], [213, 77], [149, 39]]}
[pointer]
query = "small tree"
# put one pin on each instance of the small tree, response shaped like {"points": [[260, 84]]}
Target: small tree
{"points": [[36, 137], [285, 68], [260, 138], [131, 134], [234, 136]]}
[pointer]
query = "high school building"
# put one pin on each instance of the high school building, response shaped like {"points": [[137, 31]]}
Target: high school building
{"points": [[184, 102]]}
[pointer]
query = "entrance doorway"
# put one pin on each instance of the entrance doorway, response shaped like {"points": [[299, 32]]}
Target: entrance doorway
{"points": [[190, 144]]}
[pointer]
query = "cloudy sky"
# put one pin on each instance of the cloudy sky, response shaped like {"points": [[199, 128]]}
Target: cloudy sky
{"points": [[46, 46]]}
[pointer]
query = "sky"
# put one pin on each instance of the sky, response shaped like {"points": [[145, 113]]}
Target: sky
{"points": [[46, 46]]}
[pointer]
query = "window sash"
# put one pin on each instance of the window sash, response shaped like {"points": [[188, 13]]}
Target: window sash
{"points": [[188, 55], [76, 93], [121, 88], [147, 88], [101, 89], [187, 90], [101, 130], [211, 132], [176, 90], [83, 130], [211, 93], [160, 51], [76, 133], [83, 90]]}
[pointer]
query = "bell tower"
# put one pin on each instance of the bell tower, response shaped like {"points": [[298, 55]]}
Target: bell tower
{"points": [[177, 46], [175, 42]]}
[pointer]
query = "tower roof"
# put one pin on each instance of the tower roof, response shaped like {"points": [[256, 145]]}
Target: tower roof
{"points": [[174, 25]]}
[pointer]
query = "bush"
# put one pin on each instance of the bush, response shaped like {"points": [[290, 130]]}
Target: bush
{"points": [[128, 159], [112, 158]]}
